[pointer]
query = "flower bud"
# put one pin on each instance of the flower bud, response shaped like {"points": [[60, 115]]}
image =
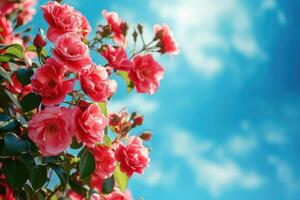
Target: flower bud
{"points": [[138, 120], [146, 136], [38, 41]]}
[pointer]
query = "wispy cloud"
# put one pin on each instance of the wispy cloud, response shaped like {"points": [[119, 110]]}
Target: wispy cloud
{"points": [[241, 145], [199, 26], [271, 5], [155, 176], [285, 174], [217, 175], [134, 102]]}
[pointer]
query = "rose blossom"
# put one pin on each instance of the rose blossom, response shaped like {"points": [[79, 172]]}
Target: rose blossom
{"points": [[49, 82], [52, 129], [6, 33], [117, 25], [105, 161], [63, 19], [27, 11], [167, 42], [146, 74], [118, 195], [72, 52], [117, 58], [74, 196], [134, 157], [90, 124], [6, 6], [119, 122], [94, 83]]}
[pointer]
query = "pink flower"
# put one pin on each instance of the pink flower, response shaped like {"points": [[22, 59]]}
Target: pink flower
{"points": [[118, 195], [119, 122], [117, 58], [105, 161], [134, 157], [71, 52], [146, 74], [90, 124], [63, 19], [27, 11], [6, 33], [8, 193], [6, 6], [167, 42], [74, 196], [52, 129], [112, 87], [117, 26], [49, 82], [94, 83]]}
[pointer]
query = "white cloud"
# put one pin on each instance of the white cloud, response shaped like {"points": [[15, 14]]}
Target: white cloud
{"points": [[134, 102], [285, 174], [271, 6], [215, 175], [155, 176], [276, 137], [239, 145], [197, 25]]}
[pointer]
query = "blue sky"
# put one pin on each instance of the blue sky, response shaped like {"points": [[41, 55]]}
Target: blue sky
{"points": [[226, 118]]}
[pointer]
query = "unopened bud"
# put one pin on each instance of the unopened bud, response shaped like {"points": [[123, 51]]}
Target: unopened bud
{"points": [[134, 35], [146, 136], [38, 41], [140, 28], [124, 28], [138, 120]]}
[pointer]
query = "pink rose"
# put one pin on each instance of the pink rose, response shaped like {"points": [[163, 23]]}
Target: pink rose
{"points": [[117, 58], [6, 6], [6, 33], [105, 161], [49, 82], [52, 129], [146, 74], [72, 52], [94, 83], [117, 195], [74, 196], [90, 124], [27, 11], [119, 122], [134, 157], [117, 26], [112, 87], [63, 19], [167, 42]]}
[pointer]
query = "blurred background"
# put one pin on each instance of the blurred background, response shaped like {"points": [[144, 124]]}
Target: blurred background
{"points": [[226, 117]]}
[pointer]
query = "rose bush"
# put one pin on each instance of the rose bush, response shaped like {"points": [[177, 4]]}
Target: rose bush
{"points": [[53, 104]]}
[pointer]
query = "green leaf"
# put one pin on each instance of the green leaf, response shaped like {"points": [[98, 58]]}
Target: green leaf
{"points": [[5, 74], [128, 82], [7, 123], [31, 48], [63, 178], [13, 145], [51, 159], [77, 187], [13, 98], [30, 102], [4, 58], [107, 141], [15, 50], [108, 185], [38, 177], [15, 172], [103, 107], [121, 178], [87, 164], [75, 144], [24, 75]]}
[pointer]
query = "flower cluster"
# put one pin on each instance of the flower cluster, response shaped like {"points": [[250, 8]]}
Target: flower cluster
{"points": [[53, 110]]}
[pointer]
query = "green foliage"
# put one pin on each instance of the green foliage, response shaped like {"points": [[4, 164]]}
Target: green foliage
{"points": [[121, 179], [30, 102], [124, 76], [38, 176], [87, 164], [108, 185]]}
